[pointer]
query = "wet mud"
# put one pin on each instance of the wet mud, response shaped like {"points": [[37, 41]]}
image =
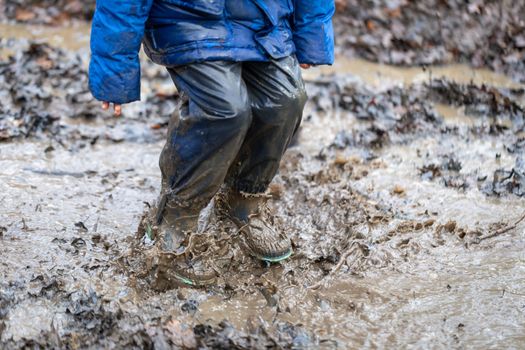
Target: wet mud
{"points": [[482, 33], [403, 200], [46, 95]]}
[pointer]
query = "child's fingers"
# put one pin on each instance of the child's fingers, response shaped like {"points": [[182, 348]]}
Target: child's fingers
{"points": [[118, 110]]}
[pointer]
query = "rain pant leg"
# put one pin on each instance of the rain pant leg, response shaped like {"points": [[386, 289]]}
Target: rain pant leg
{"points": [[277, 96], [204, 139]]}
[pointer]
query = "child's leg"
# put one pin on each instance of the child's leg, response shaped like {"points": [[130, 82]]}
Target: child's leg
{"points": [[202, 142], [277, 96]]}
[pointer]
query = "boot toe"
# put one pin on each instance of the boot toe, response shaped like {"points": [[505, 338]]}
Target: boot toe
{"points": [[265, 243]]}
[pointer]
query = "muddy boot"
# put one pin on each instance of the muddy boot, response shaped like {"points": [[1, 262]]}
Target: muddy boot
{"points": [[188, 256], [196, 266], [174, 224], [253, 217]]}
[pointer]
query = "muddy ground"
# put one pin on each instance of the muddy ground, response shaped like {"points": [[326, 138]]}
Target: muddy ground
{"points": [[482, 33], [403, 197]]}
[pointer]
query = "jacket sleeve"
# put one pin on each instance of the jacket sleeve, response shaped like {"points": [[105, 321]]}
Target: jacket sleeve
{"points": [[313, 31], [116, 36]]}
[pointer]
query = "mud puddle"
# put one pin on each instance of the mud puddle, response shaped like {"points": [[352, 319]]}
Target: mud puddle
{"points": [[73, 37], [429, 32], [398, 241], [383, 75]]}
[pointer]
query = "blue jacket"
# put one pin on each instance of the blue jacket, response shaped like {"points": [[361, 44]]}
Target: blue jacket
{"points": [[176, 32]]}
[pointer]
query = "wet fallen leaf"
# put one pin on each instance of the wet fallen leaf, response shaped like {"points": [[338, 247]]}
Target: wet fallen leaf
{"points": [[81, 226], [45, 63], [78, 242], [340, 160], [394, 13], [370, 25], [340, 5], [450, 226], [399, 190], [24, 15]]}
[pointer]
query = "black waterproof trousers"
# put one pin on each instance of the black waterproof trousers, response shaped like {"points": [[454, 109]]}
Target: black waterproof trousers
{"points": [[235, 121]]}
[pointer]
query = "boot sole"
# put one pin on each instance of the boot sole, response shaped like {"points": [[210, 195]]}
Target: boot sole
{"points": [[172, 276], [276, 259], [194, 283]]}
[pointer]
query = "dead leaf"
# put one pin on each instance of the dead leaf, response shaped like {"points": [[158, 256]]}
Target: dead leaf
{"points": [[340, 5], [371, 25], [398, 190], [394, 13], [45, 62], [24, 15]]}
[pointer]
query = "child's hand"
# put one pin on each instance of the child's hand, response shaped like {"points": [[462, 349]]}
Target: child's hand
{"points": [[117, 108], [305, 66]]}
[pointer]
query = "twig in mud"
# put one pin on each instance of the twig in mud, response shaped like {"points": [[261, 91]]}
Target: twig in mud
{"points": [[56, 172], [503, 230], [337, 267], [505, 291], [513, 292], [24, 225]]}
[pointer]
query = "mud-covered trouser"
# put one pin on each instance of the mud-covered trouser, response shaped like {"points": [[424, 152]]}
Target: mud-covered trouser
{"points": [[235, 121]]}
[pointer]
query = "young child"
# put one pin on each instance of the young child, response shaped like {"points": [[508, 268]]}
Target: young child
{"points": [[236, 65]]}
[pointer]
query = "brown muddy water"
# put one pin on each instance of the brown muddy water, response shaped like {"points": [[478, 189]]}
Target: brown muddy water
{"points": [[384, 256]]}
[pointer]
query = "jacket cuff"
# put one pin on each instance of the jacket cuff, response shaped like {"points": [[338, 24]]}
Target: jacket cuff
{"points": [[108, 83], [314, 43]]}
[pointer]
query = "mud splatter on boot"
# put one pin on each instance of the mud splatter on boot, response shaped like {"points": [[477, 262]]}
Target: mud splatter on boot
{"points": [[253, 217], [186, 253]]}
